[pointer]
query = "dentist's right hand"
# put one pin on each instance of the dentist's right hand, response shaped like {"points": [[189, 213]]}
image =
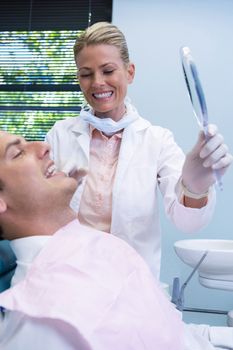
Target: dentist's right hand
{"points": [[71, 169]]}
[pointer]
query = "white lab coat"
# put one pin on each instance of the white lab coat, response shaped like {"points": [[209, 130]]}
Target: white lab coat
{"points": [[149, 159]]}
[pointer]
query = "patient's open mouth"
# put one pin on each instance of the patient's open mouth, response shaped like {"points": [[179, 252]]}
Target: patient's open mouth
{"points": [[51, 171]]}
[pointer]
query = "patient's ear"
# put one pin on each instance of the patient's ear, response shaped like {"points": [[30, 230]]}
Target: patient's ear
{"points": [[3, 206]]}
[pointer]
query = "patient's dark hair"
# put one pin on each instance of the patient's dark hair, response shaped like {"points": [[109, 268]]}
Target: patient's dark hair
{"points": [[1, 234]]}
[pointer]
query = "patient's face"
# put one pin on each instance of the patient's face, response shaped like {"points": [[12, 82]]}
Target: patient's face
{"points": [[28, 179]]}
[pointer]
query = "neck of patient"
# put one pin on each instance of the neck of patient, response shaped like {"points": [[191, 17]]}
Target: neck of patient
{"points": [[37, 225]]}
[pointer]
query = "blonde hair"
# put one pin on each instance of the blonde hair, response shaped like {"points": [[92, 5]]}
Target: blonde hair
{"points": [[103, 33]]}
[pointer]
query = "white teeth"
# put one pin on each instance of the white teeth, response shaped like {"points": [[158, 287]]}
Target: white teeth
{"points": [[50, 171], [103, 95]]}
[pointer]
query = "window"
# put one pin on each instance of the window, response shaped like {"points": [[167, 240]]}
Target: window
{"points": [[37, 72]]}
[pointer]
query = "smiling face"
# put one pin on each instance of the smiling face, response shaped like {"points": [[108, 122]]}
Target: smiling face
{"points": [[29, 184], [104, 78]]}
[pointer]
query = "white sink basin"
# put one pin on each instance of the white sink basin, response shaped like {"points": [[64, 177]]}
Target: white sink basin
{"points": [[216, 270]]}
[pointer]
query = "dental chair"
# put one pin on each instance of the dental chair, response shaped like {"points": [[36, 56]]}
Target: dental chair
{"points": [[7, 265]]}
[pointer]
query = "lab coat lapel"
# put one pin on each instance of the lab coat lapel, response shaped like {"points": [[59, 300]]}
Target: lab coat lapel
{"points": [[130, 140], [82, 132]]}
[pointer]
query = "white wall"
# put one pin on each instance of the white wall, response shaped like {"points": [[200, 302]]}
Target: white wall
{"points": [[155, 31]]}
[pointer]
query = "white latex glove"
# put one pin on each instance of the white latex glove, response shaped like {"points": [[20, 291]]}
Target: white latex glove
{"points": [[208, 154]]}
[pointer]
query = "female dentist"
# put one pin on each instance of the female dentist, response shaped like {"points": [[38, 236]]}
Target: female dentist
{"points": [[128, 159]]}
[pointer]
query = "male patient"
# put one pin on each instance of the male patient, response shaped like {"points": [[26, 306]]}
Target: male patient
{"points": [[74, 287]]}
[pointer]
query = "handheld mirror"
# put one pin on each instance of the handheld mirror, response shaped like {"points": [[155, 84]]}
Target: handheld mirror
{"points": [[196, 95]]}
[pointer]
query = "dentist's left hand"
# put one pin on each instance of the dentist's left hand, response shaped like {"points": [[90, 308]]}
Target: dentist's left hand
{"points": [[207, 155]]}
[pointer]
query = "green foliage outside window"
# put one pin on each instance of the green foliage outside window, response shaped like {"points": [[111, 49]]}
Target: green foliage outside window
{"points": [[38, 82]]}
